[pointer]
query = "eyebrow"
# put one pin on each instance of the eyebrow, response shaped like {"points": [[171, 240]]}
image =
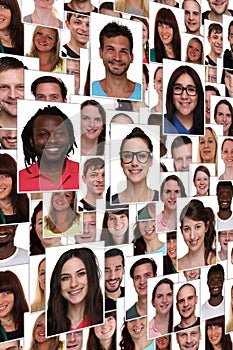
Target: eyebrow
{"points": [[68, 274]]}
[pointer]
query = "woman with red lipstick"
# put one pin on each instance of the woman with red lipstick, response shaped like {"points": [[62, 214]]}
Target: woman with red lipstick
{"points": [[215, 337], [136, 154], [198, 230], [93, 128], [46, 46], [76, 299], [11, 28], [134, 337], [201, 180], [103, 337], [184, 103], [227, 157], [39, 340], [171, 189], [62, 218], [13, 305], [162, 301]]}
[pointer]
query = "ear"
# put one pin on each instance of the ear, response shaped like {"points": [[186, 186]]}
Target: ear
{"points": [[64, 99], [196, 299], [100, 52], [208, 37], [84, 179], [132, 58], [67, 24]]}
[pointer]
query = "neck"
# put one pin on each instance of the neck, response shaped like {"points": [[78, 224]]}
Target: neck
{"points": [[186, 120], [76, 313], [76, 46], [88, 147], [113, 295], [188, 322], [224, 214], [106, 343], [215, 300], [92, 197], [53, 170], [45, 345], [215, 17], [142, 343], [6, 251], [137, 4], [153, 245], [137, 192], [228, 174], [222, 255], [197, 32], [6, 206], [7, 323], [214, 56], [142, 305]]}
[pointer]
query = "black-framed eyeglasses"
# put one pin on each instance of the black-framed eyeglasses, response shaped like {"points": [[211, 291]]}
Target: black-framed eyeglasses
{"points": [[178, 89], [142, 156]]}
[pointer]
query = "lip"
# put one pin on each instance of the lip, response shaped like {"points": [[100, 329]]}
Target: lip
{"points": [[75, 292], [194, 242]]}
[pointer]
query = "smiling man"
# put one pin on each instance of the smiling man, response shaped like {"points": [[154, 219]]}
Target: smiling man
{"points": [[78, 26], [181, 150], [49, 88], [189, 339], [140, 271], [214, 306], [114, 272], [74, 340], [192, 11], [224, 197], [116, 51], [11, 89], [186, 301], [215, 39], [48, 138], [93, 177], [8, 139], [217, 9]]}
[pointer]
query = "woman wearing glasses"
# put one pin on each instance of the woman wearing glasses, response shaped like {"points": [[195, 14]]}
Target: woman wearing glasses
{"points": [[184, 103], [136, 154]]}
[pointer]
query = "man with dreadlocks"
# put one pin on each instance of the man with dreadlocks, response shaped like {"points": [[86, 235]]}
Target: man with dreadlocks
{"points": [[48, 139]]}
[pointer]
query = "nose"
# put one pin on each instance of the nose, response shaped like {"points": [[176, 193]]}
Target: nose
{"points": [[100, 178], [13, 93], [172, 243], [189, 338], [117, 55], [192, 233], [71, 337], [112, 273], [85, 228], [73, 281]]}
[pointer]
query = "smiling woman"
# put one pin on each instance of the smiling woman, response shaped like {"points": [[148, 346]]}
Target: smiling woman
{"points": [[223, 115], [75, 299], [133, 335], [201, 180], [115, 228], [215, 334], [227, 157]]}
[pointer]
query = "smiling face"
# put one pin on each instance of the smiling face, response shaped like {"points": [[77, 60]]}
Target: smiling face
{"points": [[194, 52], [202, 183], [229, 82], [208, 147], [74, 283], [162, 343], [94, 180], [8, 139], [224, 237], [62, 201], [192, 17], [165, 33], [41, 275], [184, 104], [218, 7], [170, 194], [89, 228], [227, 153], [215, 40], [5, 17], [50, 139], [186, 302], [45, 39], [224, 196], [6, 303], [171, 248], [39, 333], [106, 331], [117, 225], [158, 82], [147, 230], [223, 117], [194, 233], [135, 171], [137, 328], [7, 235], [215, 283], [189, 339], [207, 104], [91, 123], [116, 55], [114, 271], [79, 29], [11, 89], [5, 186], [193, 274], [215, 334], [140, 277], [163, 299], [74, 340]]}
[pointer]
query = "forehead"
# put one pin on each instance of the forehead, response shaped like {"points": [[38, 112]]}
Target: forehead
{"points": [[48, 121], [228, 144], [89, 217], [210, 92], [47, 31], [186, 78], [135, 144], [113, 261], [191, 6], [95, 170], [171, 184], [141, 269], [72, 64], [222, 189], [10, 75], [48, 87], [164, 287], [185, 291], [72, 264], [83, 19], [9, 345], [119, 41], [183, 150], [215, 274]]}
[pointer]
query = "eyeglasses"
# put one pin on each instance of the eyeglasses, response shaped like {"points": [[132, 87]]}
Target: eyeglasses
{"points": [[142, 156], [178, 90]]}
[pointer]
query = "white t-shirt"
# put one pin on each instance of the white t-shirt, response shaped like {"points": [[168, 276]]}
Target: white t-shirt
{"points": [[19, 257], [209, 311]]}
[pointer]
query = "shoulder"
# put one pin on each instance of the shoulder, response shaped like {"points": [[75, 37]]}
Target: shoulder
{"points": [[137, 93], [132, 312], [28, 19], [152, 55], [205, 16], [97, 89], [115, 198]]}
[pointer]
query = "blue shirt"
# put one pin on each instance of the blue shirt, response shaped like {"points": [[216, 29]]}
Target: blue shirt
{"points": [[98, 91], [176, 127]]}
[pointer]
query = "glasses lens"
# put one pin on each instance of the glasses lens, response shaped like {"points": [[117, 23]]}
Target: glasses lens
{"points": [[126, 157], [191, 90], [142, 157], [177, 89]]}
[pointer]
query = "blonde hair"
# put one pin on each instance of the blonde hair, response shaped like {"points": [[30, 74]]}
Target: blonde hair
{"points": [[55, 60], [50, 219], [195, 40], [120, 5], [55, 343], [199, 159], [39, 300]]}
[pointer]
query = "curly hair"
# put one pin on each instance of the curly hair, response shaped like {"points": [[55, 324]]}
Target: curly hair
{"points": [[57, 319]]}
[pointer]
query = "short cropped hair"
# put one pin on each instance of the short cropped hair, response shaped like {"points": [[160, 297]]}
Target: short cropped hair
{"points": [[143, 261], [224, 183], [215, 268], [7, 63], [214, 27], [212, 88], [186, 285], [180, 141], [49, 79], [93, 163], [114, 29], [115, 252]]}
